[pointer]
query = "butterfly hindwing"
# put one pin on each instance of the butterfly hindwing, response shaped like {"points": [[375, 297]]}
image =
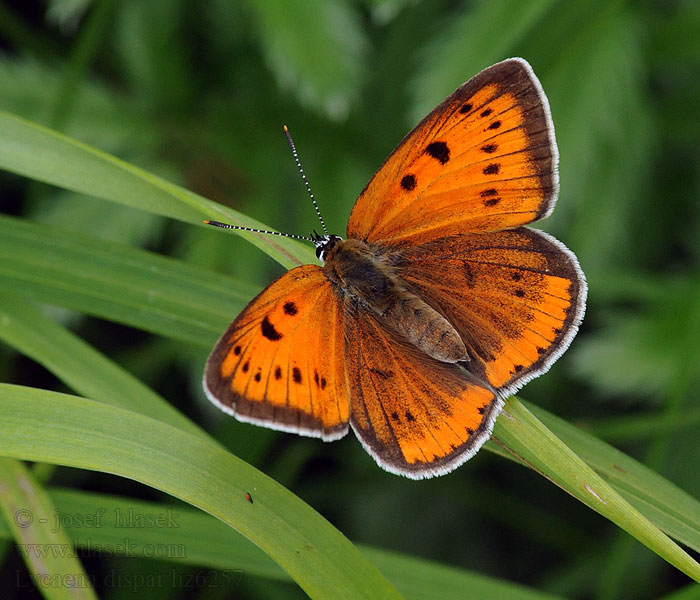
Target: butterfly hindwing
{"points": [[416, 416], [280, 363], [485, 159], [516, 298]]}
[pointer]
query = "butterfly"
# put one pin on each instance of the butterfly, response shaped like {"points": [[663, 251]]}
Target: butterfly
{"points": [[439, 303]]}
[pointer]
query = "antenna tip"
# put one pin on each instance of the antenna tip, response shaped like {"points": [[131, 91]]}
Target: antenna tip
{"points": [[285, 128], [207, 222]]}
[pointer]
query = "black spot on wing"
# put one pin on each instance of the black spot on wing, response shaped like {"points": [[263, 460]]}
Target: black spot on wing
{"points": [[489, 148], [269, 331], [278, 373], [494, 125], [486, 113], [408, 182], [465, 108], [296, 375], [290, 308], [492, 169], [439, 151]]}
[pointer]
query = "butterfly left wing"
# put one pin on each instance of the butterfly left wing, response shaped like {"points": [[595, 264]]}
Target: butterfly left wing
{"points": [[280, 364], [416, 416], [485, 159]]}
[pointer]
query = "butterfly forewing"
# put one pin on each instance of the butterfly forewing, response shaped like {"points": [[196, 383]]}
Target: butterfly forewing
{"points": [[515, 297], [485, 159], [281, 363]]}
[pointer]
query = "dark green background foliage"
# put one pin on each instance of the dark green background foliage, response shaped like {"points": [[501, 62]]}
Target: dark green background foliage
{"points": [[198, 93]]}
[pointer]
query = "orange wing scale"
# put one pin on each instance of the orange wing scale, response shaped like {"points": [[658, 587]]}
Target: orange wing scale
{"points": [[515, 297], [418, 422], [483, 160], [281, 362]]}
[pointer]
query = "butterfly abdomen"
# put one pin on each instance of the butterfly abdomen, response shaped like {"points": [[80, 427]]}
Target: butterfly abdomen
{"points": [[364, 278]]}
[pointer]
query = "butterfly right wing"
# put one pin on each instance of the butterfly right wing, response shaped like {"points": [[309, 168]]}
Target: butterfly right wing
{"points": [[485, 159], [416, 416], [281, 363]]}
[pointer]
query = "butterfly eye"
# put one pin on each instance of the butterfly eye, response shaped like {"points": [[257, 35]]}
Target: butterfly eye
{"points": [[324, 244]]}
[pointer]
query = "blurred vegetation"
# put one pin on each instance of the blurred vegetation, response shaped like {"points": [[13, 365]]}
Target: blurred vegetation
{"points": [[198, 93]]}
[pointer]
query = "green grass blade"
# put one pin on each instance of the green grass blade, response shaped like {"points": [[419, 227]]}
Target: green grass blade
{"points": [[79, 365], [39, 153], [61, 429], [192, 537], [670, 508], [47, 550], [116, 282], [531, 442]]}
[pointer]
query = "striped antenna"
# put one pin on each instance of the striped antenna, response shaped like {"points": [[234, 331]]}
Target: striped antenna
{"points": [[241, 228], [315, 239], [303, 176]]}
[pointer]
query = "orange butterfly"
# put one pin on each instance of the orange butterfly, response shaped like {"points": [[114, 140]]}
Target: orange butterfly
{"points": [[437, 306]]}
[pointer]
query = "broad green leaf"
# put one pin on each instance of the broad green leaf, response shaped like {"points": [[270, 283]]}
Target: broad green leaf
{"points": [[61, 429]]}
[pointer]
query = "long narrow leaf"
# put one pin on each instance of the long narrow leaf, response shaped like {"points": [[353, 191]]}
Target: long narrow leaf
{"points": [[61, 429], [45, 155], [530, 441], [192, 537]]}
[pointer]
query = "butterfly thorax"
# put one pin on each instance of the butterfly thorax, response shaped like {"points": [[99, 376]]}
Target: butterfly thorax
{"points": [[362, 274]]}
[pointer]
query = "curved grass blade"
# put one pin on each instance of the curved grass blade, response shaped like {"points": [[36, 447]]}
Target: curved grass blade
{"points": [[116, 282], [199, 539], [524, 436], [671, 509], [61, 429], [47, 550], [79, 365], [39, 153]]}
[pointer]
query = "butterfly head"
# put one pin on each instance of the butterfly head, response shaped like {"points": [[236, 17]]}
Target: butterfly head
{"points": [[324, 244]]}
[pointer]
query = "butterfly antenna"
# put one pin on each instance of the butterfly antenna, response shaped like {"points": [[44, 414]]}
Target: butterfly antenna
{"points": [[303, 176], [241, 228]]}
